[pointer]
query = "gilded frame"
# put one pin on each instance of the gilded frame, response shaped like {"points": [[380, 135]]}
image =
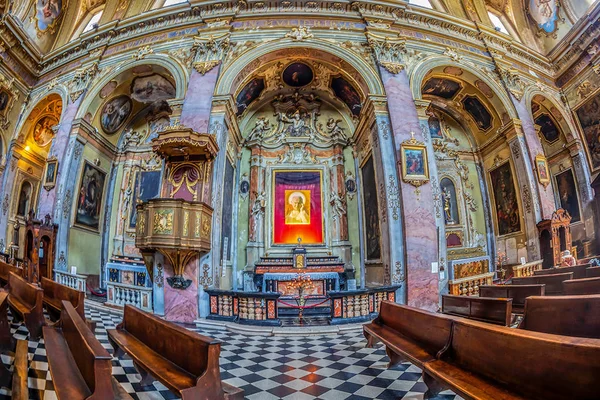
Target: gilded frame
{"points": [[52, 167], [492, 196], [416, 180], [540, 160], [75, 207], [588, 98]]}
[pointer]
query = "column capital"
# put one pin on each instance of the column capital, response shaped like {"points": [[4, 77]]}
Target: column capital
{"points": [[210, 51], [512, 129], [575, 147], [391, 52], [423, 108]]}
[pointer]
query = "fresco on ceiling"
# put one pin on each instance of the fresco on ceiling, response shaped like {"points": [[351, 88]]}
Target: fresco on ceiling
{"points": [[589, 118], [567, 194], [544, 13], [346, 92], [480, 114], [297, 75], [547, 127], [47, 12], [114, 113], [505, 199], [151, 88], [248, 94], [444, 88], [42, 131]]}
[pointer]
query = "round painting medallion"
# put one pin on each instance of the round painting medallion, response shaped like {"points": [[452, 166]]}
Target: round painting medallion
{"points": [[42, 131], [114, 113], [297, 74]]}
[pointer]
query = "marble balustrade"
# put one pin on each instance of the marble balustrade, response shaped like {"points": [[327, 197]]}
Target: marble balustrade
{"points": [[75, 281]]}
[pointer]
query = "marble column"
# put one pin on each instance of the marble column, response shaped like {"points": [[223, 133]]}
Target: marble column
{"points": [[527, 184], [584, 182], [48, 200], [256, 208], [10, 170], [158, 284], [197, 105], [416, 203], [340, 245]]}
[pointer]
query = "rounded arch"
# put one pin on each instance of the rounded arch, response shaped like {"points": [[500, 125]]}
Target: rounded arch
{"points": [[59, 90], [532, 91], [419, 72], [225, 84], [178, 72]]}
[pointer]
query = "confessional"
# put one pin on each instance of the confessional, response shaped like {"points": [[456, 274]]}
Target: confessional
{"points": [[555, 237], [40, 244]]}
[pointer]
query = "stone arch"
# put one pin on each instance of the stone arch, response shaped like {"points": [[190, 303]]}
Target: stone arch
{"points": [[364, 69], [177, 71], [59, 90], [419, 72], [529, 95]]}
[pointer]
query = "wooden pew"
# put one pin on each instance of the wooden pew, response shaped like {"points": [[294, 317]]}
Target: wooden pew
{"points": [[81, 368], [578, 271], [5, 270], [582, 286], [20, 391], [563, 315], [162, 350], [55, 293], [484, 361], [25, 301], [592, 272], [7, 341], [486, 309], [553, 282], [518, 294]]}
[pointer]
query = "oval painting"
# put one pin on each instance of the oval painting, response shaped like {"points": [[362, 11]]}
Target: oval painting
{"points": [[42, 131], [114, 113], [297, 75]]}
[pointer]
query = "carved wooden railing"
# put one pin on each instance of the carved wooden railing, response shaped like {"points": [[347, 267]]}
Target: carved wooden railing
{"points": [[527, 269], [469, 286], [119, 294], [75, 281], [250, 308], [359, 305]]}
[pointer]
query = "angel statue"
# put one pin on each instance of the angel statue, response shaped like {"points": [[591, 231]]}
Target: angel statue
{"points": [[334, 130], [261, 126], [338, 207]]}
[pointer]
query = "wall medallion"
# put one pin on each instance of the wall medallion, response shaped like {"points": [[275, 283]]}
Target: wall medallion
{"points": [[297, 75]]}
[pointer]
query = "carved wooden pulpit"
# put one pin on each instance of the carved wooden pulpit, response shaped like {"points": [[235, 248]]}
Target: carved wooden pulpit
{"points": [[555, 237]]}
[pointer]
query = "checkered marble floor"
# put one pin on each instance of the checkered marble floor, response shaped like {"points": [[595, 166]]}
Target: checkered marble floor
{"points": [[328, 368]]}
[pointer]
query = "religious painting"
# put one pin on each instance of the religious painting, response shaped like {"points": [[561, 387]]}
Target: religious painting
{"points": [[297, 75], [567, 194], [47, 13], [544, 13], [297, 207], [371, 211], [589, 119], [481, 116], [505, 199], [248, 94], [346, 92], [89, 197], [547, 127], [147, 185], [114, 113], [152, 88], [227, 211], [50, 173], [449, 202], [42, 131], [415, 169], [541, 164], [435, 128], [4, 98], [444, 88]]}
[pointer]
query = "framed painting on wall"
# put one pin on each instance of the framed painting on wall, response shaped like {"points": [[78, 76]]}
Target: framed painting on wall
{"points": [[89, 197], [588, 115], [50, 173], [506, 203], [415, 169], [567, 194], [541, 165], [297, 207]]}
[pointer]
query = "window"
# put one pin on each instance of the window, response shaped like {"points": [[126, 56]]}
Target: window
{"points": [[498, 24], [421, 3], [172, 2], [93, 22]]}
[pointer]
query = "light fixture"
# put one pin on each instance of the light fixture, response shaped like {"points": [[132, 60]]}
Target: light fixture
{"points": [[27, 148]]}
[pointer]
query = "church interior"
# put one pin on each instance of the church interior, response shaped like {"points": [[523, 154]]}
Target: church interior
{"points": [[308, 199]]}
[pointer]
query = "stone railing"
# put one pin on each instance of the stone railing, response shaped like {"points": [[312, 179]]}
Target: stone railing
{"points": [[250, 308], [75, 281], [469, 286], [359, 305], [527, 269], [119, 294]]}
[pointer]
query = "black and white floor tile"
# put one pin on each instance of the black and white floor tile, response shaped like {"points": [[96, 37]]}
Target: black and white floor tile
{"points": [[267, 368]]}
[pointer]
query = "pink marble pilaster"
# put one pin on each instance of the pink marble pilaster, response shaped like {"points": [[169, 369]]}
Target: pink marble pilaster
{"points": [[198, 100], [182, 305], [418, 211]]}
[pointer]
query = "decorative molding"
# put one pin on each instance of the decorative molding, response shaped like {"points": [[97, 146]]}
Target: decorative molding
{"points": [[515, 85], [392, 53], [82, 78], [209, 52], [300, 34], [142, 53]]}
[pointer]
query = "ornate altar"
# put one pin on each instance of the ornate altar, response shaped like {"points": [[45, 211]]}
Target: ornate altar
{"points": [[40, 243], [468, 275], [178, 225], [555, 237]]}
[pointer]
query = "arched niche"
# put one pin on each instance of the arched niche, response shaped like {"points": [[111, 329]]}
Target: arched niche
{"points": [[25, 199]]}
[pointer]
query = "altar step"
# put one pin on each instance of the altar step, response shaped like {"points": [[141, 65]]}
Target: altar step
{"points": [[320, 311]]}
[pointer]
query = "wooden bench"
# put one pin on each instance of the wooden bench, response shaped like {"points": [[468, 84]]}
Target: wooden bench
{"points": [[186, 362], [17, 380], [5, 270], [582, 286], [26, 301], [7, 341], [486, 309], [55, 293], [518, 294], [563, 315], [592, 272], [81, 368], [484, 361], [578, 271], [553, 282]]}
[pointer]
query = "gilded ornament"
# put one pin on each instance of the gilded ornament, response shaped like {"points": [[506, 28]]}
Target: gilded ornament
{"points": [[205, 227], [163, 222], [300, 33], [186, 222], [197, 226]]}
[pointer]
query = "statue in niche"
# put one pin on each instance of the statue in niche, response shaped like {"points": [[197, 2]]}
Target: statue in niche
{"points": [[447, 197], [261, 126], [334, 130], [298, 125], [126, 201], [338, 206], [258, 208]]}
